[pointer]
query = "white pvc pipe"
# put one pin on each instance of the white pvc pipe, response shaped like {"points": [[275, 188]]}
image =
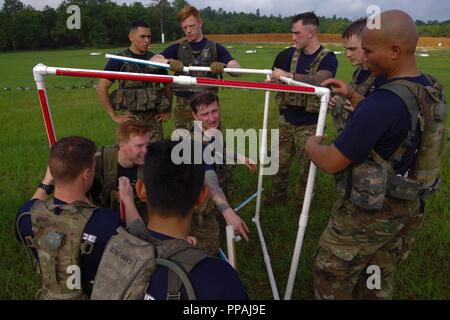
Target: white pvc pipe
{"points": [[191, 68], [231, 247], [262, 158], [293, 82], [303, 221]]}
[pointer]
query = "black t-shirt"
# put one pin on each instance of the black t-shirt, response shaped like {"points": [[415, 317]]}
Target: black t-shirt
{"points": [[130, 173]]}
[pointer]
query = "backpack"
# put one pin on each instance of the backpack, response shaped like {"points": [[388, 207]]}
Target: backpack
{"points": [[58, 240], [131, 257]]}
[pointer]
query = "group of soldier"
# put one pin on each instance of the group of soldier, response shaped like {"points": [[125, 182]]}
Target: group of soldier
{"points": [[386, 160]]}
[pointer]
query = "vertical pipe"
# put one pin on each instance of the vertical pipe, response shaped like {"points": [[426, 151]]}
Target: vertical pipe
{"points": [[303, 221], [39, 73], [262, 160]]}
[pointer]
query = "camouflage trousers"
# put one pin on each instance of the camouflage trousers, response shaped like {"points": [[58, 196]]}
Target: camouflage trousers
{"points": [[292, 143], [183, 114], [155, 127], [205, 227], [357, 240]]}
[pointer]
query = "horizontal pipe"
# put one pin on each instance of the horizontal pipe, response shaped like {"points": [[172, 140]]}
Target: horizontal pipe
{"points": [[183, 80], [187, 69]]}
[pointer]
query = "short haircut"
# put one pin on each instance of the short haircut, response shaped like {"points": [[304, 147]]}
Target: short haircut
{"points": [[204, 97], [136, 24], [188, 11], [172, 189], [356, 28], [130, 127], [69, 156], [307, 18]]}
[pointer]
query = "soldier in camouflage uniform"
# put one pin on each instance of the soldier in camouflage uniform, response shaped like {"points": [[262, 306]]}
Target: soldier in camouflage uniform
{"points": [[149, 102], [363, 81], [308, 62], [126, 159], [387, 161], [195, 50], [205, 227]]}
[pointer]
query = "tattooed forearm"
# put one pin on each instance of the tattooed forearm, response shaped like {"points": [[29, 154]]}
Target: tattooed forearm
{"points": [[215, 191], [316, 79]]}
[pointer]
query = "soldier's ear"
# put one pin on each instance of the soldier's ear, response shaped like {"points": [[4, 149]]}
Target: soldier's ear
{"points": [[203, 195], [140, 190]]}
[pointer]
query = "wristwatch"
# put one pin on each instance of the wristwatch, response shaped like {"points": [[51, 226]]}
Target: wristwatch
{"points": [[47, 187]]}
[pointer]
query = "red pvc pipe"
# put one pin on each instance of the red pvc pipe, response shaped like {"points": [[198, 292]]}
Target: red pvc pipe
{"points": [[93, 74], [47, 117], [199, 81], [259, 85]]}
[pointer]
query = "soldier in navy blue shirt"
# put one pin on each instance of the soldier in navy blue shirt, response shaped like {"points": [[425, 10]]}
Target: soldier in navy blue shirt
{"points": [[308, 61], [158, 97], [196, 50], [171, 192], [356, 236], [363, 81], [70, 174]]}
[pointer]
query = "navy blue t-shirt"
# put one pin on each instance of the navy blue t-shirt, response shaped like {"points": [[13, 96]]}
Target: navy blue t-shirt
{"points": [[380, 122], [116, 65], [281, 58], [100, 228], [298, 116], [223, 55], [212, 279]]}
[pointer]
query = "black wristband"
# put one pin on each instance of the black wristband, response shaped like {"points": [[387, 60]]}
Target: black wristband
{"points": [[48, 188]]}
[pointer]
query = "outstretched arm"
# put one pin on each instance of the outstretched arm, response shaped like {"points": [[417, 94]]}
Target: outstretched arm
{"points": [[218, 196]]}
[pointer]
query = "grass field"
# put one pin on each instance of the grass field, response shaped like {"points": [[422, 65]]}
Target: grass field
{"points": [[24, 147]]}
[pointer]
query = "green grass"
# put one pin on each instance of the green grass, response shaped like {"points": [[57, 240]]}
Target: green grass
{"points": [[24, 150]]}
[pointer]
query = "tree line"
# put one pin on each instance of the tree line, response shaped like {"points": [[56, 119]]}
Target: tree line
{"points": [[105, 24]]}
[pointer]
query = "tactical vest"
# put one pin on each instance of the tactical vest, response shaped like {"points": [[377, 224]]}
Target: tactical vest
{"points": [[58, 240], [309, 102], [131, 257], [341, 116], [369, 183], [201, 58], [140, 96], [106, 175]]}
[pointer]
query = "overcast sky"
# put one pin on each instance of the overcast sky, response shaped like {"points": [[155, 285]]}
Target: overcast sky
{"points": [[423, 9]]}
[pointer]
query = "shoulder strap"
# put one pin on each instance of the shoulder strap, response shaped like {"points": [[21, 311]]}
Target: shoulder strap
{"points": [[110, 163], [295, 59], [355, 75], [211, 45], [186, 257], [405, 90], [314, 67], [27, 243]]}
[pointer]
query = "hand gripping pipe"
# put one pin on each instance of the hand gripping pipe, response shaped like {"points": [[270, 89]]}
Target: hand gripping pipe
{"points": [[231, 237], [187, 69]]}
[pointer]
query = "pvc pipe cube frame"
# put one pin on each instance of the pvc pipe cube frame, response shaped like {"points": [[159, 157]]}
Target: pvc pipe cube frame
{"points": [[41, 70]]}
